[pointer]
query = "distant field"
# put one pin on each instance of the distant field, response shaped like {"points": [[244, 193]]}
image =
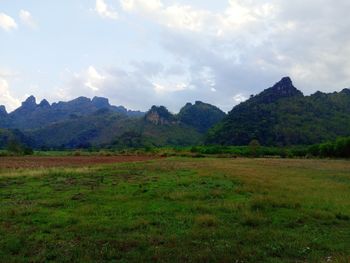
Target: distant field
{"points": [[177, 210]]}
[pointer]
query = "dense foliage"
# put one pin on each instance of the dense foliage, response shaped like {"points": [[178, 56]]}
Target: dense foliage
{"points": [[15, 142], [339, 148], [201, 115]]}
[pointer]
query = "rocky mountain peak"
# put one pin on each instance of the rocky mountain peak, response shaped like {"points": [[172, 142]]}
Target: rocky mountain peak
{"points": [[286, 88], [346, 91], [160, 116], [80, 100], [100, 102], [282, 89], [30, 102], [3, 110], [44, 103]]}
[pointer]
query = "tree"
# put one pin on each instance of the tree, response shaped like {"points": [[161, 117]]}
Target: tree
{"points": [[14, 147], [254, 147]]}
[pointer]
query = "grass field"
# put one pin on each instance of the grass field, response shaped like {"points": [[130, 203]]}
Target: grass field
{"points": [[178, 210]]}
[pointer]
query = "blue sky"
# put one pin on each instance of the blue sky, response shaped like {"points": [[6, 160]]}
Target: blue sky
{"points": [[144, 52]]}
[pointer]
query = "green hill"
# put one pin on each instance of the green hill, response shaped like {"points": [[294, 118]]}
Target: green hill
{"points": [[282, 115], [200, 115]]}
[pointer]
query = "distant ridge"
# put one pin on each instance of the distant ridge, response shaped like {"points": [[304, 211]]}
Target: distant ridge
{"points": [[31, 115]]}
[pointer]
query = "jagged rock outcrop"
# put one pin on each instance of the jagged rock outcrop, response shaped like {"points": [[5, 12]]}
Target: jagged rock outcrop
{"points": [[160, 116], [282, 89], [3, 111], [44, 104]]}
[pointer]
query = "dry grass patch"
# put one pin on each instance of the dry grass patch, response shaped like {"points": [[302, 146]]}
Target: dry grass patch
{"points": [[206, 220]]}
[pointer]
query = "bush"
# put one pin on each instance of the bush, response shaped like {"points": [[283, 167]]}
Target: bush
{"points": [[339, 148], [342, 147]]}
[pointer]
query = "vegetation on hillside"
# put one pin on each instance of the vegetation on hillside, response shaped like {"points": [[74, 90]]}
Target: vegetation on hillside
{"points": [[200, 115], [15, 142]]}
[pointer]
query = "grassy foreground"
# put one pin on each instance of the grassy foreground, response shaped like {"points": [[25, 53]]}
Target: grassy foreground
{"points": [[178, 210]]}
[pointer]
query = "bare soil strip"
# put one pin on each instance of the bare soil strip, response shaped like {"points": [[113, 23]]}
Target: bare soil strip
{"points": [[66, 161]]}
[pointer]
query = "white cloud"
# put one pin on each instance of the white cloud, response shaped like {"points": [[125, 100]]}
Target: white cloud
{"points": [[186, 17], [7, 23], [133, 88], [94, 79], [173, 16], [250, 45], [239, 98], [27, 19], [169, 87], [105, 10], [144, 5], [6, 97]]}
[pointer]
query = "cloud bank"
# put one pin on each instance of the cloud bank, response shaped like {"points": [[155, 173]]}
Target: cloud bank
{"points": [[249, 45], [219, 52]]}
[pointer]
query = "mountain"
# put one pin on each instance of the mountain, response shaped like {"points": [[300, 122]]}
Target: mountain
{"points": [[85, 122], [200, 115], [32, 115], [282, 115], [110, 129], [279, 115]]}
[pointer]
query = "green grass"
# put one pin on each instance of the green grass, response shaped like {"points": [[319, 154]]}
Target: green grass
{"points": [[178, 210]]}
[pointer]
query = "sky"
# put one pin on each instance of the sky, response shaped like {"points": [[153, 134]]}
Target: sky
{"points": [[140, 53]]}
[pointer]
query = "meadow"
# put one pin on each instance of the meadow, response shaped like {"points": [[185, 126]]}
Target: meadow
{"points": [[177, 209]]}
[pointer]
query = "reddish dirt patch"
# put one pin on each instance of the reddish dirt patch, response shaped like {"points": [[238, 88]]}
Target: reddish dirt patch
{"points": [[66, 161]]}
